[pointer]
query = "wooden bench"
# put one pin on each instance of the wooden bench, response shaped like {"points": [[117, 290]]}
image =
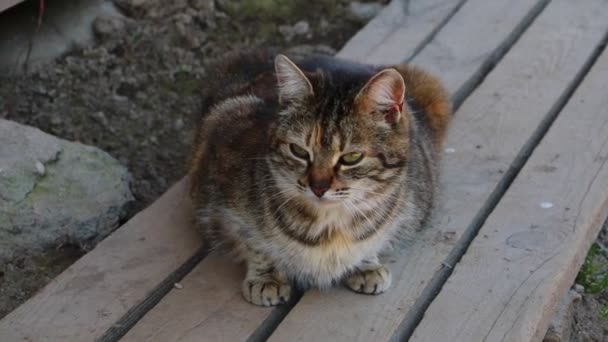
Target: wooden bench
{"points": [[524, 194]]}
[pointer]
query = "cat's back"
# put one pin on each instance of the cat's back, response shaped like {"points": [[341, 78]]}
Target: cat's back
{"points": [[232, 137]]}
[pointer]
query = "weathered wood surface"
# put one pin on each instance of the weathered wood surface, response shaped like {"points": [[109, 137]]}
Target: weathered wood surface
{"points": [[320, 309], [207, 307], [474, 39], [399, 31], [489, 130], [529, 250], [96, 291]]}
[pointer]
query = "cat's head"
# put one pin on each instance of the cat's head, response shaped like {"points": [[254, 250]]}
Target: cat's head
{"points": [[337, 143]]}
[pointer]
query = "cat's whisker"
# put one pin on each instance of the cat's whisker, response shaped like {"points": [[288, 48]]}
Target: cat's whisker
{"points": [[370, 206], [283, 204], [357, 211], [383, 196]]}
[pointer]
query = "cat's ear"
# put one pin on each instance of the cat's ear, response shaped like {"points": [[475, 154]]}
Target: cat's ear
{"points": [[382, 97], [293, 84]]}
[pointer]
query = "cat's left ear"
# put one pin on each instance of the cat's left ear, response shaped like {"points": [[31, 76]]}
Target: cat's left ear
{"points": [[293, 84], [382, 97]]}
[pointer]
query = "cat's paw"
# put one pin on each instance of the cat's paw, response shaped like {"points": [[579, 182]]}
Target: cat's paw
{"points": [[266, 292], [370, 280]]}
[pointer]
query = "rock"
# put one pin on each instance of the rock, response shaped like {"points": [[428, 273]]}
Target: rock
{"points": [[107, 25], [56, 192], [365, 11]]}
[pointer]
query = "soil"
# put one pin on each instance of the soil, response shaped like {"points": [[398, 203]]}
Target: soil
{"points": [[135, 92]]}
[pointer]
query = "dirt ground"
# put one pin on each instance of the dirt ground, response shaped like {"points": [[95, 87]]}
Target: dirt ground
{"points": [[135, 92]]}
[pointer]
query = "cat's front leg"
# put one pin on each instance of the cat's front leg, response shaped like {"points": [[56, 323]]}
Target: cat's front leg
{"points": [[264, 285], [370, 277]]}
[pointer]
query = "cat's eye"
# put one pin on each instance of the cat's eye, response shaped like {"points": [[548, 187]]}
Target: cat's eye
{"points": [[299, 152], [351, 158]]}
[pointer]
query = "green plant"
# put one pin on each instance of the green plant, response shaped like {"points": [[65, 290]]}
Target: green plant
{"points": [[593, 275], [604, 311]]}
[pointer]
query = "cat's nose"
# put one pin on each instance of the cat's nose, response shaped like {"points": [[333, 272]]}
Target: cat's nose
{"points": [[319, 182], [319, 190]]}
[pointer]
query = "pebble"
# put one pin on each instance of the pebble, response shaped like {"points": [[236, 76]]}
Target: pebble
{"points": [[204, 5], [179, 124], [101, 118], [40, 169], [546, 205], [178, 286], [301, 28], [106, 26], [365, 11]]}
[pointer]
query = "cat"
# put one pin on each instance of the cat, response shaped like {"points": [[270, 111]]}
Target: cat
{"points": [[308, 168]]}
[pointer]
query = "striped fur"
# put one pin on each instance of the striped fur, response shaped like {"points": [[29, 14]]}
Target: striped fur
{"points": [[254, 195]]}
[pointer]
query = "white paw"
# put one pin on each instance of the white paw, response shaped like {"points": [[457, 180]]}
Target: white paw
{"points": [[266, 292], [370, 281]]}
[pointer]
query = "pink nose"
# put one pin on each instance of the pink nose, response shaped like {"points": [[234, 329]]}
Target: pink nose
{"points": [[319, 190]]}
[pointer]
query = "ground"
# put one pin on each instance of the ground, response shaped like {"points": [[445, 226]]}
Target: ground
{"points": [[134, 92]]}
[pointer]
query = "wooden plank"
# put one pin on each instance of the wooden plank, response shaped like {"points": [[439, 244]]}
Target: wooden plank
{"points": [[207, 307], [92, 294], [474, 39], [491, 127], [528, 252], [399, 31]]}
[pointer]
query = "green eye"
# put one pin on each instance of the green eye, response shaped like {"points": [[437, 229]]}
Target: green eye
{"points": [[351, 158], [299, 152]]}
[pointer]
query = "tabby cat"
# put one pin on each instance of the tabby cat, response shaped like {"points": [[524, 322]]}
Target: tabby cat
{"points": [[307, 170]]}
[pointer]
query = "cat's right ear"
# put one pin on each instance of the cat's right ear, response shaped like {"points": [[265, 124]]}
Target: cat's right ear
{"points": [[383, 96], [293, 84]]}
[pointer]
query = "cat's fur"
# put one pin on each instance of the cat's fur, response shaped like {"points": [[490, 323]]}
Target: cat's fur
{"points": [[314, 220]]}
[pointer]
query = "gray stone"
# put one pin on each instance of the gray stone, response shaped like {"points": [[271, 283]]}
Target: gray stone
{"points": [[53, 191], [365, 10]]}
